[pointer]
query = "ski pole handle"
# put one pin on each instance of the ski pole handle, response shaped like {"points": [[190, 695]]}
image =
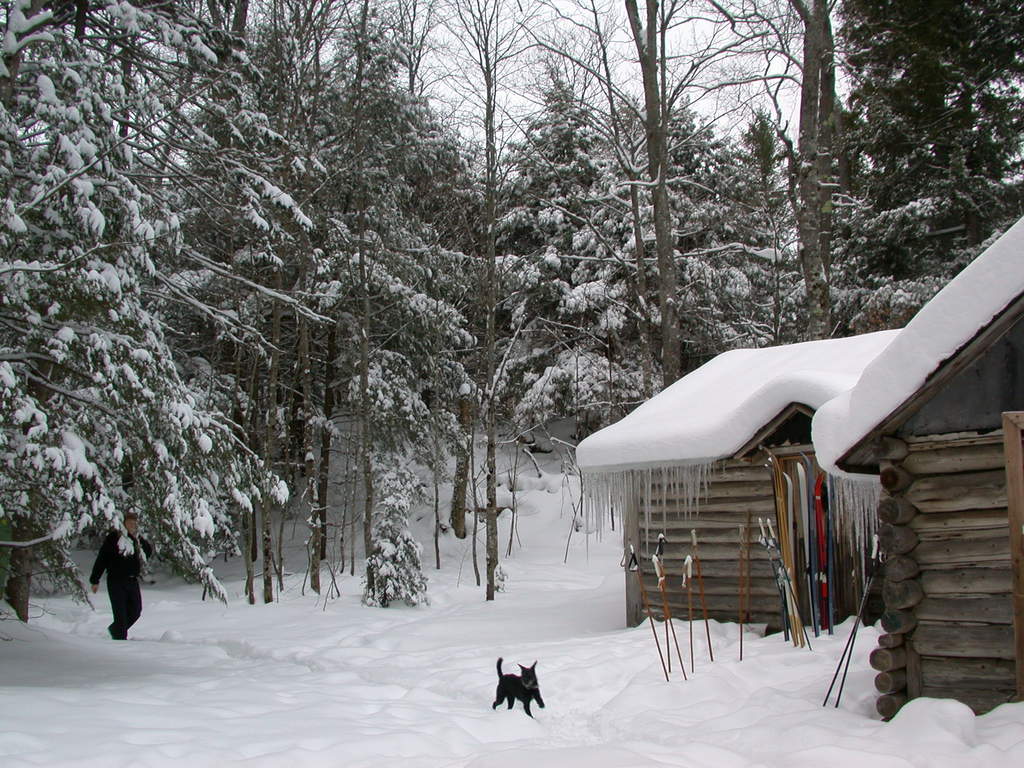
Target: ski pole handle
{"points": [[771, 529], [656, 562], [693, 536], [633, 565], [874, 547], [760, 523]]}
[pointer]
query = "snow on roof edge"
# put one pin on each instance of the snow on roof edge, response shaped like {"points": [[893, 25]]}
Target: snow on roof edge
{"points": [[964, 307], [715, 410]]}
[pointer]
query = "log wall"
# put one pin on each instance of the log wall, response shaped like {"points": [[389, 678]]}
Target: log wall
{"points": [[947, 579], [738, 493]]}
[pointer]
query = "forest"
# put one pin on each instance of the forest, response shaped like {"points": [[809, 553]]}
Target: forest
{"points": [[291, 261]]}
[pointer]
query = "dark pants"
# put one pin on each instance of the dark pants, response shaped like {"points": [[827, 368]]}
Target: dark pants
{"points": [[126, 603]]}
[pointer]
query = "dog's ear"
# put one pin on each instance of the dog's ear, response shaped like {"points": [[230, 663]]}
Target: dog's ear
{"points": [[534, 666]]}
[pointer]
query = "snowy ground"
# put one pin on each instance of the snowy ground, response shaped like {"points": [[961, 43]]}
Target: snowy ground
{"points": [[298, 683]]}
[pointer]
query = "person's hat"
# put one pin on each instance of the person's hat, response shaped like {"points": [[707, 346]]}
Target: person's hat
{"points": [[131, 515]]}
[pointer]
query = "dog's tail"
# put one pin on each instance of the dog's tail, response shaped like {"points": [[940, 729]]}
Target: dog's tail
{"points": [[499, 666]]}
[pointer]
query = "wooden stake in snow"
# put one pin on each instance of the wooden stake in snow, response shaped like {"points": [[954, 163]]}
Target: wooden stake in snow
{"points": [[744, 578], [659, 570], [700, 584], [688, 583], [634, 565]]}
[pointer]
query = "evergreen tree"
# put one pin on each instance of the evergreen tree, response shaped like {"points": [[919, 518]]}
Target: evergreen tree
{"points": [[936, 140], [97, 419], [393, 569]]}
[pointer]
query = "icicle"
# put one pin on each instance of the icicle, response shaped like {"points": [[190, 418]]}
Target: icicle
{"points": [[610, 493], [856, 500]]}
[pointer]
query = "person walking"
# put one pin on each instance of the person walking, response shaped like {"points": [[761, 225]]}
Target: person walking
{"points": [[122, 557]]}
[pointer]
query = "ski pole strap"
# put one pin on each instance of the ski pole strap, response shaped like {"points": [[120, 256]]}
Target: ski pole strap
{"points": [[661, 545], [633, 564]]}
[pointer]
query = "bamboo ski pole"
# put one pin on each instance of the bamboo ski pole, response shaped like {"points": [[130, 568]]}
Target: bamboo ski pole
{"points": [[700, 585], [744, 580], [670, 625], [634, 565], [659, 571], [688, 583]]}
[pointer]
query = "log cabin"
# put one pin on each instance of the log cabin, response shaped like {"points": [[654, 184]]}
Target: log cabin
{"points": [[725, 447], [937, 417]]}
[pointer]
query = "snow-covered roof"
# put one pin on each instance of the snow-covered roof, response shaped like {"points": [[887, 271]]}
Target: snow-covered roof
{"points": [[944, 325], [714, 411]]}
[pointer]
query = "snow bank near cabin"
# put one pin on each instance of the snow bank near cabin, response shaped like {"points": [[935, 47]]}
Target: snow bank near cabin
{"points": [[710, 413], [946, 323]]}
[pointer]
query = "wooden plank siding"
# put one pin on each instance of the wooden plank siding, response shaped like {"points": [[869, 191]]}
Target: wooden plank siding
{"points": [[963, 636], [1013, 445], [737, 491]]}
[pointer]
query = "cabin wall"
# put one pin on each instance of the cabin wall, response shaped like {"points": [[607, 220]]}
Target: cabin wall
{"points": [[947, 577], [738, 493]]}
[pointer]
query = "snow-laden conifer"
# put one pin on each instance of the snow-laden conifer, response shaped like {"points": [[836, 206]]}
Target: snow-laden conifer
{"points": [[96, 418], [393, 569]]}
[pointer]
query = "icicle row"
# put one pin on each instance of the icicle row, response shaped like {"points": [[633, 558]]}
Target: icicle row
{"points": [[609, 493], [857, 498]]}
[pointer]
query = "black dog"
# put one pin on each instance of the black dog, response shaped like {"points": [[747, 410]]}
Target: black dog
{"points": [[524, 688]]}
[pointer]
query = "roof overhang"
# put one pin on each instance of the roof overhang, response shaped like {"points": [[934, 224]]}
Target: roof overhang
{"points": [[864, 456]]}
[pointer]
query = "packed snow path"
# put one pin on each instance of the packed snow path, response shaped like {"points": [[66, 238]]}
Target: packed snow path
{"points": [[298, 684]]}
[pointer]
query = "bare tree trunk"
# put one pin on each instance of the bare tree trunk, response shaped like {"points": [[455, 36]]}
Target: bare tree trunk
{"points": [[437, 522], [365, 421], [461, 479], [326, 439], [640, 286], [491, 348], [270, 444], [806, 170], [313, 504], [646, 40], [19, 574], [490, 33]]}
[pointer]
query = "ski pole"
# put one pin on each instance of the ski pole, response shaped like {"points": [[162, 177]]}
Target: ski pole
{"points": [[688, 583], [763, 541], [669, 625], [700, 584], [791, 600], [744, 578], [634, 565], [848, 650]]}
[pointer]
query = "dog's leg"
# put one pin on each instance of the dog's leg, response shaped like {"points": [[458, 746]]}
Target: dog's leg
{"points": [[526, 704], [511, 701], [540, 701]]}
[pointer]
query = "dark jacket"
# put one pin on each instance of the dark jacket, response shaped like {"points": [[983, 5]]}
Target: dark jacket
{"points": [[119, 566]]}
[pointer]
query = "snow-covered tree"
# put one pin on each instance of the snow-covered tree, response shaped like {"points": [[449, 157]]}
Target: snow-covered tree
{"points": [[393, 569], [96, 416], [936, 140]]}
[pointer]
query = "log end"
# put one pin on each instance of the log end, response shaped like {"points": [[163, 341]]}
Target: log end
{"points": [[889, 704]]}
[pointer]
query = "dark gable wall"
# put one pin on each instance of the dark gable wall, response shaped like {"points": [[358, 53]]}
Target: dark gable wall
{"points": [[977, 397]]}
